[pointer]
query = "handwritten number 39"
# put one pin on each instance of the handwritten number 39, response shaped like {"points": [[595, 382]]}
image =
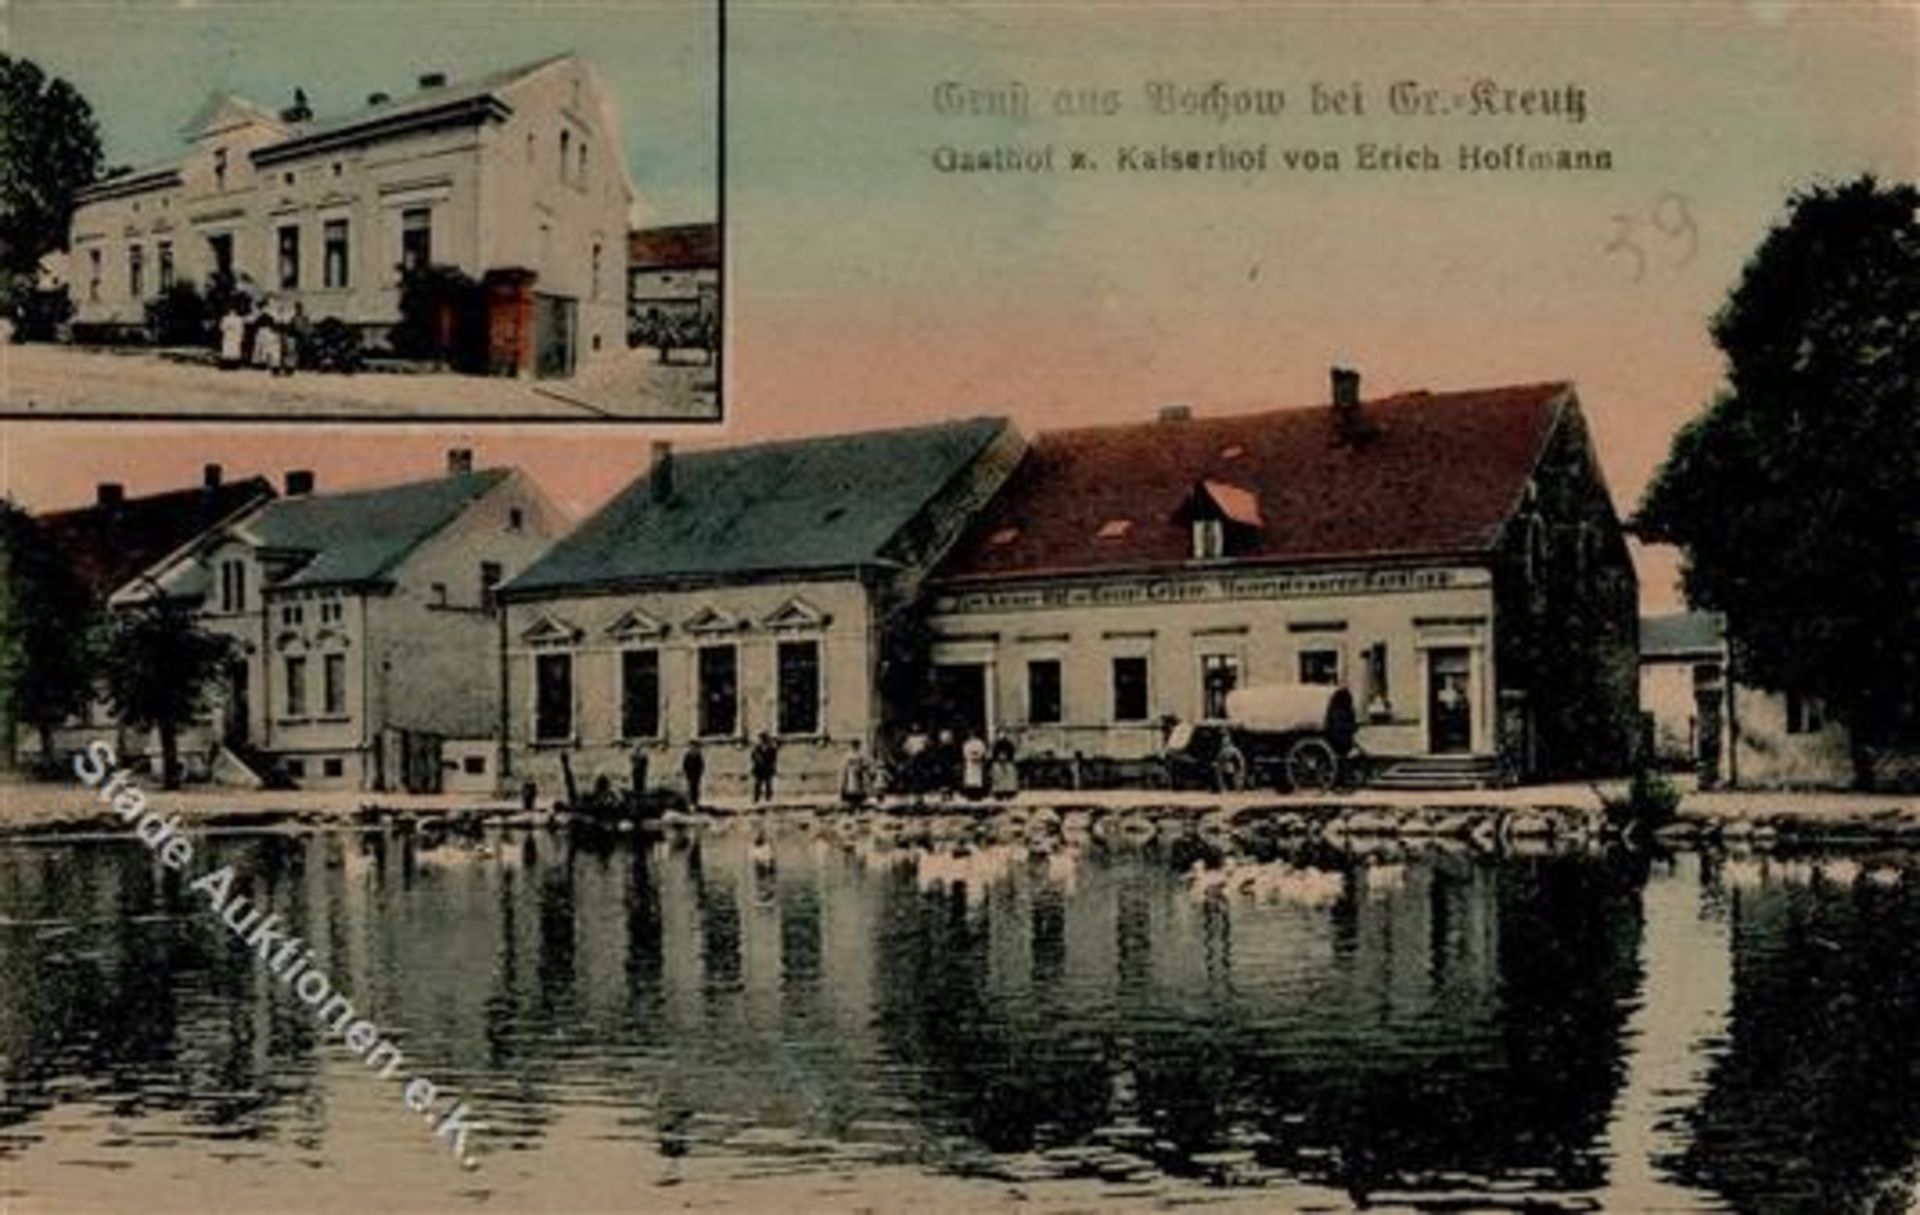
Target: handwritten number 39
{"points": [[1672, 218]]}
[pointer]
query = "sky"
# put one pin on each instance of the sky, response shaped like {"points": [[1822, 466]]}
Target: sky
{"points": [[866, 287]]}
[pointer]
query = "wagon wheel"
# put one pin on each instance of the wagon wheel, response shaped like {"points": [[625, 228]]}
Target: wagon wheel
{"points": [[1311, 764]]}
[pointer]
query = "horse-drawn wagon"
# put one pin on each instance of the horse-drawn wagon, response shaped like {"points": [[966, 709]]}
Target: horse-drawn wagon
{"points": [[1288, 736]]}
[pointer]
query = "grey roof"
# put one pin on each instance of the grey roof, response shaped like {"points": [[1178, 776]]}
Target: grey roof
{"points": [[810, 504], [451, 93], [361, 536], [1682, 634]]}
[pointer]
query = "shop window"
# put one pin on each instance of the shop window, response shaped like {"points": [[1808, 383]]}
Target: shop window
{"points": [[1219, 675], [719, 677], [640, 693], [1044, 706], [1130, 692], [553, 697], [799, 675]]}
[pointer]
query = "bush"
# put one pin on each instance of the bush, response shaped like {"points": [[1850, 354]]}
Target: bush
{"points": [[334, 346], [1651, 802], [37, 313], [178, 316], [442, 318]]}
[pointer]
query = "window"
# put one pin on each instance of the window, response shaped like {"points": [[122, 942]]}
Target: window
{"points": [[220, 245], [334, 244], [1043, 691], [1379, 698], [290, 257], [490, 575], [580, 167], [1805, 714], [1130, 689], [799, 674], [1219, 675], [331, 611], [566, 144], [719, 675], [137, 272], [1320, 666], [166, 265], [233, 586], [553, 697], [416, 238], [516, 519], [333, 685], [594, 283], [292, 613], [296, 768], [333, 767], [219, 168], [1209, 539], [640, 693], [93, 275], [437, 594], [296, 695], [474, 765]]}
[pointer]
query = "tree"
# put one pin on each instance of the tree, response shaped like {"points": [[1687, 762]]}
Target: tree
{"points": [[49, 149], [159, 667], [1793, 495], [47, 631]]}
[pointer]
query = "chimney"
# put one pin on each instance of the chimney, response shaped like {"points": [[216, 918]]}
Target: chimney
{"points": [[433, 80], [109, 493], [459, 461], [378, 98], [210, 476], [1345, 387], [660, 475], [1176, 413], [299, 482]]}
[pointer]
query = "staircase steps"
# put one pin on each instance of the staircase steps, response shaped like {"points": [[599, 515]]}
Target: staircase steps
{"points": [[1438, 772]]}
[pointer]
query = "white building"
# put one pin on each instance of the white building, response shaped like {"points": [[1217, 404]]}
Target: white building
{"points": [[516, 178], [364, 624]]}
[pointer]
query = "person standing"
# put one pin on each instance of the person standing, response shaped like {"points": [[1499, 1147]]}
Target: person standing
{"points": [[266, 337], [946, 762], [693, 767], [973, 766], [233, 338], [854, 776], [765, 760], [916, 760], [1004, 777], [637, 771]]}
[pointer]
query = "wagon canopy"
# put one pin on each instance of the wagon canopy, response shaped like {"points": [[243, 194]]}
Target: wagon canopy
{"points": [[1291, 708]]}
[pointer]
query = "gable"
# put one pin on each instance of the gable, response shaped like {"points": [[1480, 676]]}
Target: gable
{"points": [[795, 614], [637, 625], [548, 629]]}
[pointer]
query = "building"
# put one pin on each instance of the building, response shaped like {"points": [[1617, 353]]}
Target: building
{"points": [[1683, 694], [516, 178], [1452, 558], [768, 588], [673, 274], [108, 546], [364, 625]]}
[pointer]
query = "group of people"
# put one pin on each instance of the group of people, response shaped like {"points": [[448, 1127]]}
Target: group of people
{"points": [[942, 766], [269, 336]]}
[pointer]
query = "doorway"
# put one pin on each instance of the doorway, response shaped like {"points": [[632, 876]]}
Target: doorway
{"points": [[1449, 701], [959, 699], [554, 322]]}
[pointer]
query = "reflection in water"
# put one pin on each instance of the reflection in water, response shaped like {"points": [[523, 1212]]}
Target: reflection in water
{"points": [[1566, 1029]]}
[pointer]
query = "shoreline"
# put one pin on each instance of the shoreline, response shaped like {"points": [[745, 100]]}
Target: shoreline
{"points": [[68, 811]]}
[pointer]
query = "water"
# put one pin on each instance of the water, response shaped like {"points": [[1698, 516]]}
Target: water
{"points": [[844, 1025]]}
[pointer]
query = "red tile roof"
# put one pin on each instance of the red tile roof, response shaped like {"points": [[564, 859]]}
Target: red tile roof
{"points": [[1435, 473], [108, 545], [679, 247]]}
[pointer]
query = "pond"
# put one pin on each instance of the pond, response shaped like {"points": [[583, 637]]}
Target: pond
{"points": [[820, 1018]]}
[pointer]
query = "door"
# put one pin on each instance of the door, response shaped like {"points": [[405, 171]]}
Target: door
{"points": [[960, 698], [236, 730], [1449, 701], [553, 336]]}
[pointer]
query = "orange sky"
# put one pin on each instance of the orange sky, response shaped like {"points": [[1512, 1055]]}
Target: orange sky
{"points": [[866, 287]]}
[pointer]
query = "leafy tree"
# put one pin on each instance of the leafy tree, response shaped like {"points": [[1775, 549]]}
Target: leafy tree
{"points": [[47, 631], [442, 317], [49, 149], [178, 316], [160, 665], [1794, 494]]}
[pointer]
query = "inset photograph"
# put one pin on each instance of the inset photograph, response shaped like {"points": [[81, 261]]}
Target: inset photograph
{"points": [[359, 213]]}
